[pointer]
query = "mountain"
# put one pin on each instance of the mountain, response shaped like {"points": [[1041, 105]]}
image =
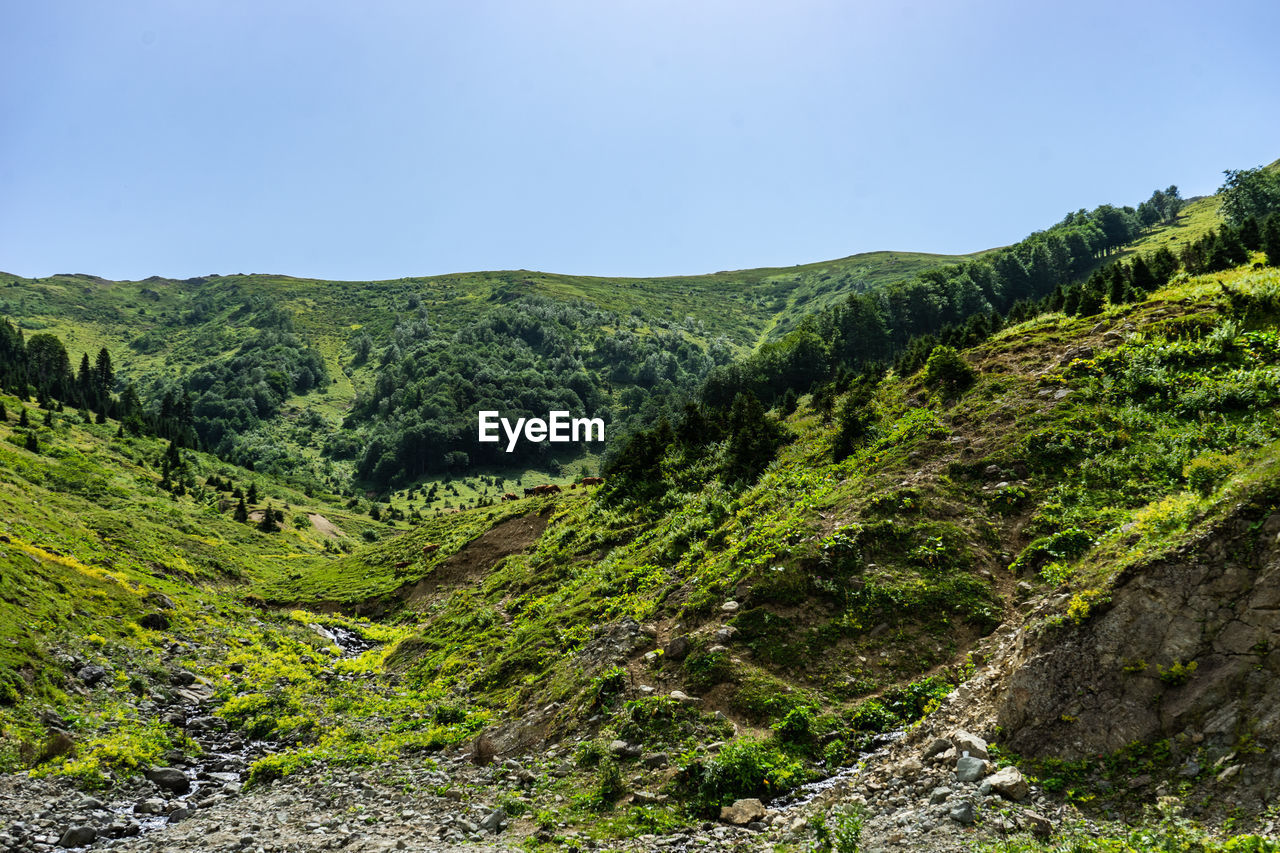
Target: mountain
{"points": [[1041, 532]]}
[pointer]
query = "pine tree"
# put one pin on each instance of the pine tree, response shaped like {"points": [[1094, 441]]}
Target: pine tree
{"points": [[1090, 302], [1271, 240], [242, 512], [48, 418], [33, 443], [268, 522], [1251, 234], [1143, 280], [23, 420], [104, 374], [1119, 285], [253, 493], [4, 415]]}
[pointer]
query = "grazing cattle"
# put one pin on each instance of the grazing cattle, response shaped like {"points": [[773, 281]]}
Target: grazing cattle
{"points": [[403, 564], [428, 549], [510, 497], [592, 481], [573, 485], [529, 492]]}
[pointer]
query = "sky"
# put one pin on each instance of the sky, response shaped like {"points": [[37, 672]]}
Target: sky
{"points": [[391, 138]]}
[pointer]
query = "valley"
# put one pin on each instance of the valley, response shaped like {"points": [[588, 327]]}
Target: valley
{"points": [[944, 553]]}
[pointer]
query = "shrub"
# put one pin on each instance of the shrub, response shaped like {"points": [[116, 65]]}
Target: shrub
{"points": [[1206, 472], [838, 831], [947, 372], [796, 727], [743, 768]]}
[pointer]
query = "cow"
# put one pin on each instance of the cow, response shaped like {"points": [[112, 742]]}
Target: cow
{"points": [[592, 481], [529, 491], [509, 496], [428, 549], [403, 564]]}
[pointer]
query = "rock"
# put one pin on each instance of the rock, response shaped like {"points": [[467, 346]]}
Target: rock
{"points": [[622, 749], [962, 813], [676, 649], [1009, 783], [647, 798], [91, 674], [154, 621], [182, 677], [684, 698], [493, 821], [939, 795], [742, 812], [655, 760], [1039, 825], [1228, 774], [730, 607], [78, 836], [169, 779], [970, 769], [160, 600], [909, 768], [937, 745], [151, 805], [967, 743]]}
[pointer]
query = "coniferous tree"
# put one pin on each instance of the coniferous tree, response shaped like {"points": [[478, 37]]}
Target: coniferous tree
{"points": [[268, 522], [1271, 240], [4, 415], [241, 513], [104, 374], [253, 493], [33, 443], [1119, 284], [23, 420], [48, 418], [1251, 234], [1140, 274]]}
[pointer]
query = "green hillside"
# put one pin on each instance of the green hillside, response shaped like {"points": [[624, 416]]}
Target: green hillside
{"points": [[845, 531], [836, 598]]}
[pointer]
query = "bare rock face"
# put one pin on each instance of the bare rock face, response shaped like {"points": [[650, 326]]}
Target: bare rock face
{"points": [[1187, 646]]}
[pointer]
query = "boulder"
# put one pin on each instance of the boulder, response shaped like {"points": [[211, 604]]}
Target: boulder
{"points": [[962, 813], [966, 742], [154, 621], [494, 820], [1009, 783], [970, 769], [91, 674], [742, 812], [169, 779], [1039, 825], [78, 836], [677, 648]]}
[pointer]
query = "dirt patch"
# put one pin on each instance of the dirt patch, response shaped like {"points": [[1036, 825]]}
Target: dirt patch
{"points": [[477, 558], [324, 526]]}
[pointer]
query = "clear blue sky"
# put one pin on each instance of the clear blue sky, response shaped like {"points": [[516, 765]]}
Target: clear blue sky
{"points": [[614, 137]]}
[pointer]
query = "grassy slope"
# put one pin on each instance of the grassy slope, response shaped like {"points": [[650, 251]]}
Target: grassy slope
{"points": [[855, 578]]}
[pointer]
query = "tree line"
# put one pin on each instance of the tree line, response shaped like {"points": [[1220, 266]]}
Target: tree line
{"points": [[843, 351]]}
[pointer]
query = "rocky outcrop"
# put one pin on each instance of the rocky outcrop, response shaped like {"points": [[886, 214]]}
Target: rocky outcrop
{"points": [[1188, 648]]}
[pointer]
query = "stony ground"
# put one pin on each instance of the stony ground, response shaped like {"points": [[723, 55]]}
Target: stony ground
{"points": [[913, 799]]}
